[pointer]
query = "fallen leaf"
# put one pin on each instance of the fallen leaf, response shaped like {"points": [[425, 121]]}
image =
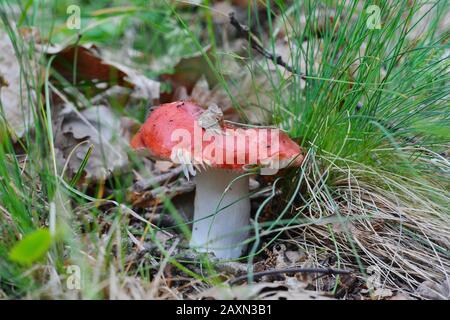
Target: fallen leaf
{"points": [[231, 267], [188, 71], [144, 88], [290, 290], [256, 95], [91, 66], [16, 99], [32, 247], [163, 237], [97, 126], [434, 291], [401, 296], [204, 96], [381, 293]]}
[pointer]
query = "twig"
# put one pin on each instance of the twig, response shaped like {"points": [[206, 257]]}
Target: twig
{"points": [[290, 270], [143, 185], [244, 32]]}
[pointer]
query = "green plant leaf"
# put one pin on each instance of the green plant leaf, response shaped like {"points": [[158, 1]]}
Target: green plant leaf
{"points": [[32, 247]]}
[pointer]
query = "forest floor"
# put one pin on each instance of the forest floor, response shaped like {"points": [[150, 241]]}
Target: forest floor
{"points": [[363, 89]]}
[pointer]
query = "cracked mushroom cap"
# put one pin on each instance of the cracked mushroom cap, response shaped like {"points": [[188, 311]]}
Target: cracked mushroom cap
{"points": [[222, 146]]}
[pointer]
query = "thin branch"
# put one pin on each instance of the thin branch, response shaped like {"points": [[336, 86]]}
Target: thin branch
{"points": [[244, 32], [327, 271]]}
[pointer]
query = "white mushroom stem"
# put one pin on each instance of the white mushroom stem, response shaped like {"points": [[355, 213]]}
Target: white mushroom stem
{"points": [[221, 214]]}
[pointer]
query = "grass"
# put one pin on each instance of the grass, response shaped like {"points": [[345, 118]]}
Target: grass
{"points": [[372, 193], [359, 111]]}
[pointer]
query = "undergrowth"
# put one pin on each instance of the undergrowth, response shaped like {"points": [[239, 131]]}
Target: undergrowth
{"points": [[369, 107]]}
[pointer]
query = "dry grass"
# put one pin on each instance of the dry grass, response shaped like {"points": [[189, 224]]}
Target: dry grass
{"points": [[402, 233]]}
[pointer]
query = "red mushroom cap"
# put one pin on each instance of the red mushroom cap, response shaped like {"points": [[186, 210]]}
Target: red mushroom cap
{"points": [[228, 147], [156, 133]]}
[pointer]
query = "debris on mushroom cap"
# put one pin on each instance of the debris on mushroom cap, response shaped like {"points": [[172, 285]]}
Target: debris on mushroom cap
{"points": [[230, 148]]}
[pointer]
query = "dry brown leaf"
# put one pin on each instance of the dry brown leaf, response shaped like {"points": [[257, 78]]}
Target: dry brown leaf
{"points": [[15, 97], [291, 289], [193, 79], [255, 95], [204, 96], [434, 291], [188, 71], [97, 126], [381, 293], [401, 296], [91, 66]]}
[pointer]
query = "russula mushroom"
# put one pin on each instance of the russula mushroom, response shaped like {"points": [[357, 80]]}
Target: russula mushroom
{"points": [[222, 157]]}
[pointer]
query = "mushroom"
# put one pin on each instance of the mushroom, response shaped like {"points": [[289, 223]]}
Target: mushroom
{"points": [[222, 157]]}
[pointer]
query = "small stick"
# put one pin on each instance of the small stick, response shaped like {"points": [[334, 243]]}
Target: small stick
{"points": [[327, 271], [143, 185], [244, 32]]}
